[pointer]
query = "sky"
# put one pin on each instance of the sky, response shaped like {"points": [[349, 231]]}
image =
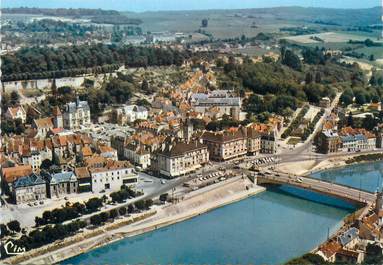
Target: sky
{"points": [[155, 5]]}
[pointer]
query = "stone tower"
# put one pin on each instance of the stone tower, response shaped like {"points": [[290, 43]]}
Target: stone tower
{"points": [[188, 130]]}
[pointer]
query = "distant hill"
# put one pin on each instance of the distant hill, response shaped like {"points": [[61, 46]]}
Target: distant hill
{"points": [[343, 17], [324, 16], [72, 12]]}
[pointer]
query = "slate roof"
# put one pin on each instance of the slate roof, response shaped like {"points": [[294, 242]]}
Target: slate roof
{"points": [[180, 148], [348, 236], [62, 177], [27, 181]]}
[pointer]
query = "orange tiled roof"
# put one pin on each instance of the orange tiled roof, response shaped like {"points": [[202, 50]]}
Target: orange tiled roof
{"points": [[11, 174], [86, 151], [330, 248], [44, 123]]}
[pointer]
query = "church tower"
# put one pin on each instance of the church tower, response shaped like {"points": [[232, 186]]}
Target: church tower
{"points": [[57, 117], [188, 130]]}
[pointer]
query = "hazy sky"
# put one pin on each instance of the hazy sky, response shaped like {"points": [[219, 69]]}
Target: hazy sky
{"points": [[153, 5]]}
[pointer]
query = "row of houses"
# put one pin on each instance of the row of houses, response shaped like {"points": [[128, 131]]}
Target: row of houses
{"points": [[349, 140], [74, 115], [25, 186], [176, 158]]}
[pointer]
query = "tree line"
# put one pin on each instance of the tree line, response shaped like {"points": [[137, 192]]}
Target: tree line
{"points": [[72, 12], [43, 62]]}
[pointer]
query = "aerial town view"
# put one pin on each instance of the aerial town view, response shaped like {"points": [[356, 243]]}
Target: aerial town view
{"points": [[191, 132]]}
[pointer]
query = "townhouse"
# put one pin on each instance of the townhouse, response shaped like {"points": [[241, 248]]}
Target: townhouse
{"points": [[29, 189], [60, 184]]}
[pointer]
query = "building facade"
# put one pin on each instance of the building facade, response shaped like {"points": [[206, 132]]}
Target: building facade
{"points": [[61, 184], [76, 114], [29, 189], [181, 158], [226, 144], [112, 176]]}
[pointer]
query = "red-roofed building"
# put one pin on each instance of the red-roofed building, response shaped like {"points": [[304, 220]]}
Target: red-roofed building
{"points": [[16, 113]]}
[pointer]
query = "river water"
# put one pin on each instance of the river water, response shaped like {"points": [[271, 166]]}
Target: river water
{"points": [[269, 228]]}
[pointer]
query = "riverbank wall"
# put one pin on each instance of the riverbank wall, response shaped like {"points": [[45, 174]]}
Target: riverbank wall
{"points": [[194, 204]]}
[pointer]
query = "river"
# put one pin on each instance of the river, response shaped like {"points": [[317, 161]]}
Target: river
{"points": [[269, 228]]}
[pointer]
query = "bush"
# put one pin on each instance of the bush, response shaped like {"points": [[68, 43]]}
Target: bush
{"points": [[14, 226], [122, 211]]}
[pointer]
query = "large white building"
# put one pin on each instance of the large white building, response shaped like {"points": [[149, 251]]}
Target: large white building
{"points": [[130, 113], [220, 99], [113, 176], [76, 114]]}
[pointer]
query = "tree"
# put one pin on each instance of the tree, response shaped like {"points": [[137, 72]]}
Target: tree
{"points": [[164, 197], [347, 97], [113, 213], [369, 122], [309, 78], [46, 164], [130, 208], [15, 97], [95, 220], [140, 205], [290, 59], [122, 211], [360, 98], [148, 203], [39, 221], [145, 87], [47, 216], [104, 216], [14, 226], [4, 230], [204, 23], [93, 204], [350, 120]]}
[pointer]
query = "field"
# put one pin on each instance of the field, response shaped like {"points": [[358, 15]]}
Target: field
{"points": [[221, 24], [329, 37]]}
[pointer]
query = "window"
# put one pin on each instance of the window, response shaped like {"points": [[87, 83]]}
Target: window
{"points": [[107, 186]]}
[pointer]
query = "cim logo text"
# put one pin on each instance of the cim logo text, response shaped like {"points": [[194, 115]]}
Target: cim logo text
{"points": [[12, 249]]}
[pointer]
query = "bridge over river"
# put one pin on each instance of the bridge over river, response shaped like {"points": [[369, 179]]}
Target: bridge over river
{"points": [[328, 188]]}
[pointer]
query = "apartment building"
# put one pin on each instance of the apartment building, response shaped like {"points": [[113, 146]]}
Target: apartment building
{"points": [[179, 158], [226, 144]]}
